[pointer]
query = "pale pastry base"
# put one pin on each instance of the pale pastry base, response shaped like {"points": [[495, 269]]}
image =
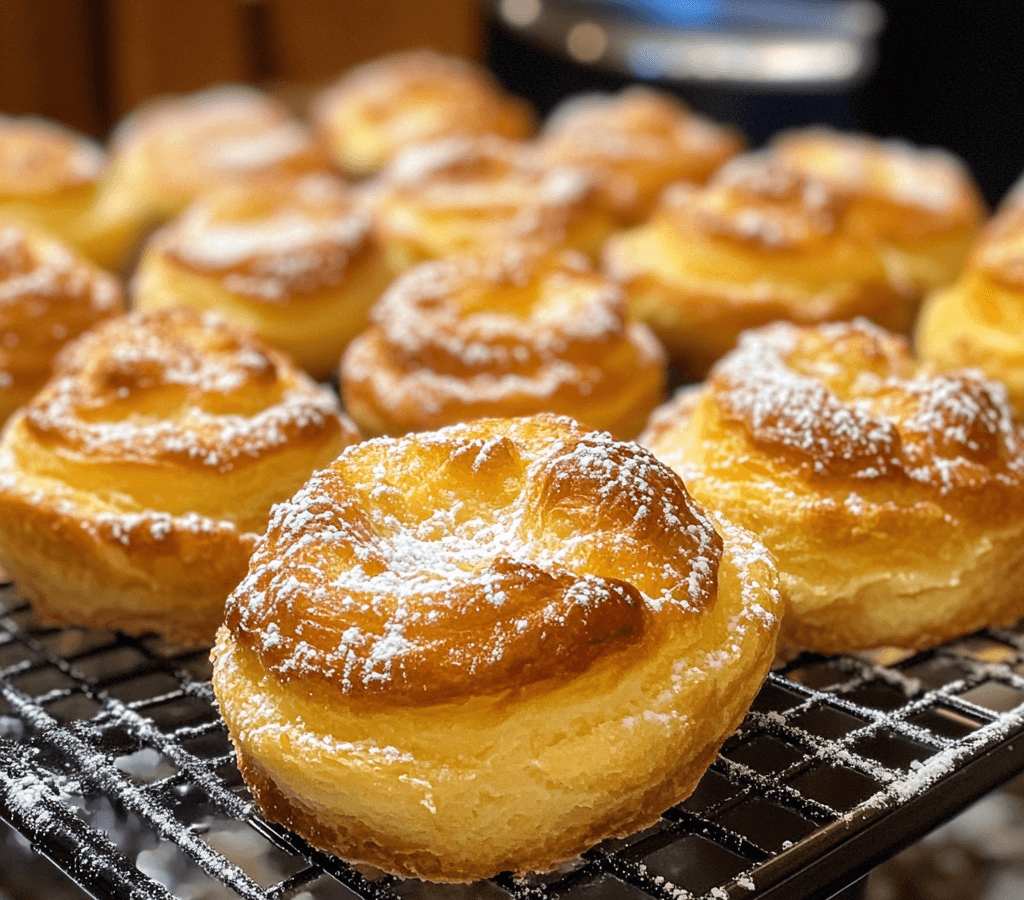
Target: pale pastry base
{"points": [[517, 781]]}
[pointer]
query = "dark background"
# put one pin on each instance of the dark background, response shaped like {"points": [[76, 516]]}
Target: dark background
{"points": [[948, 74]]}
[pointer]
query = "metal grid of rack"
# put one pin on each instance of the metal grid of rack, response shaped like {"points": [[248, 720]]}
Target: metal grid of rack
{"points": [[115, 765]]}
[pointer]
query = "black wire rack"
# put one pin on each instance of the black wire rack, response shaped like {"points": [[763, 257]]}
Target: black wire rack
{"points": [[115, 765]]}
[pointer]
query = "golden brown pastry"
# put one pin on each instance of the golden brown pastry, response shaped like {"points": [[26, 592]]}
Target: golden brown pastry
{"points": [[637, 142], [468, 195], [48, 295], [298, 262], [172, 149], [979, 320], [407, 98], [921, 205], [759, 242], [133, 487], [53, 180], [488, 647], [522, 331], [892, 497]]}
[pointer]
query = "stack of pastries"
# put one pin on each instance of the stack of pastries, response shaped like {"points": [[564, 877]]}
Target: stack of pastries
{"points": [[418, 636]]}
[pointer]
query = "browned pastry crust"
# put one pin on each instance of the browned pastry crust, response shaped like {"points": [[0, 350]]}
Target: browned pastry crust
{"points": [[893, 498], [438, 629], [396, 101], [760, 242], [979, 320], [637, 142], [297, 261], [921, 205], [468, 195], [48, 295], [134, 485], [52, 180], [511, 334], [173, 148]]}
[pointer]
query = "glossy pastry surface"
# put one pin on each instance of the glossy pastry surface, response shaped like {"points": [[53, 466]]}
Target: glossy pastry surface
{"points": [[133, 486], [760, 242], [410, 98], [638, 142], [891, 496], [52, 179], [468, 195], [48, 296], [296, 261], [522, 331], [979, 320], [920, 204], [173, 148], [438, 628]]}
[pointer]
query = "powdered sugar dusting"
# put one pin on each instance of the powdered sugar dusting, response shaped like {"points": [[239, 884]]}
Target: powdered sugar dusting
{"points": [[181, 386], [846, 400], [271, 242], [553, 570], [39, 157], [446, 338], [47, 295]]}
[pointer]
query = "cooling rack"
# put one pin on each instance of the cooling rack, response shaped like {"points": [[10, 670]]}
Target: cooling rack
{"points": [[115, 766]]}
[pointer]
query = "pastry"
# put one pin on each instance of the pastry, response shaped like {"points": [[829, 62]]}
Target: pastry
{"points": [[979, 320], [134, 485], [48, 295], [892, 497], [53, 180], [522, 331], [637, 143], [439, 629], [173, 148], [760, 242], [466, 195], [921, 205], [408, 98], [297, 262]]}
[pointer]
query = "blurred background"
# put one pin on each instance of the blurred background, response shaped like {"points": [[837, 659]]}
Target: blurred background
{"points": [[939, 73]]}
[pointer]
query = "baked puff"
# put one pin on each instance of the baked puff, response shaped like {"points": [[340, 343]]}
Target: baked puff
{"points": [[134, 486], [413, 97], [176, 147], [921, 205], [521, 331], [296, 261], [48, 296], [760, 242], [55, 181], [637, 142], [470, 195], [891, 496], [979, 320], [438, 629]]}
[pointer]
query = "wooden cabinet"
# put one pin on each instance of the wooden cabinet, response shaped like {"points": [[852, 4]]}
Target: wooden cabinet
{"points": [[87, 62]]}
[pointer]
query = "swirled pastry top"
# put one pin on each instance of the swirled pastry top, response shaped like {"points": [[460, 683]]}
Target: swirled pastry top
{"points": [[40, 158], [638, 141], [410, 98], [463, 194], [521, 331], [48, 295], [181, 145], [847, 401], [758, 233], [898, 191], [499, 555], [173, 387], [999, 252], [271, 242]]}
